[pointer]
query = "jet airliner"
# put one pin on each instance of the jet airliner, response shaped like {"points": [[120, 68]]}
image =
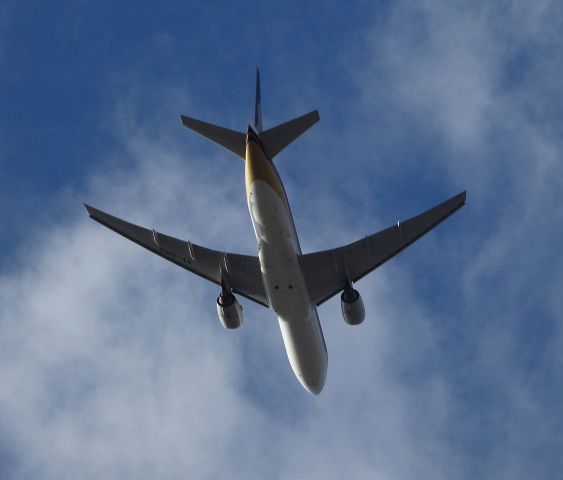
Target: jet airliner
{"points": [[293, 284]]}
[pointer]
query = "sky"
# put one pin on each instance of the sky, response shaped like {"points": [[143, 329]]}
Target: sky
{"points": [[113, 363]]}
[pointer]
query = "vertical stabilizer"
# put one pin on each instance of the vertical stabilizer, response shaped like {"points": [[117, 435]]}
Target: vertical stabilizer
{"points": [[258, 105], [274, 140]]}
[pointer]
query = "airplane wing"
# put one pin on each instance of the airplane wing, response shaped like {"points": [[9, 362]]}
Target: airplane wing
{"points": [[325, 272], [242, 271]]}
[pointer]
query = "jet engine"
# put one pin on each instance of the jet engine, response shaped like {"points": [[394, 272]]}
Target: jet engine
{"points": [[229, 310], [352, 306]]}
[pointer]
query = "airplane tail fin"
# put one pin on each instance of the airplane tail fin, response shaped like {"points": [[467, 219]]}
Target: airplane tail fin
{"points": [[229, 139], [274, 139], [258, 105], [277, 138]]}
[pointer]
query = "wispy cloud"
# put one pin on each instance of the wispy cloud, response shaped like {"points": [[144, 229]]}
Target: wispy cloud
{"points": [[113, 363], [473, 79]]}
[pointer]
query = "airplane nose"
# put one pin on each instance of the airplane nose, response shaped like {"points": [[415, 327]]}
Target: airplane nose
{"points": [[313, 385], [312, 378], [314, 388]]}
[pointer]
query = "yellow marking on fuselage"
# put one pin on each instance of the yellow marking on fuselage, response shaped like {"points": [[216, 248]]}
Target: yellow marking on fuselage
{"points": [[258, 167]]}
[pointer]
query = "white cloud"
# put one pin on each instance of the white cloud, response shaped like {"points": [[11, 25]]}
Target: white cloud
{"points": [[478, 81], [113, 364]]}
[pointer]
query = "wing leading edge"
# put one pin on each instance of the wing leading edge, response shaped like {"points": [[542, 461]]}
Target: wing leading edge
{"points": [[242, 271], [325, 272]]}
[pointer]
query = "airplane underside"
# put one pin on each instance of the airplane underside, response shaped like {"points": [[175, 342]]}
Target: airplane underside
{"points": [[286, 288], [280, 276]]}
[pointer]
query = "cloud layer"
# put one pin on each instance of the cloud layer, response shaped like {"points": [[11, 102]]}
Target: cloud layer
{"points": [[113, 363]]}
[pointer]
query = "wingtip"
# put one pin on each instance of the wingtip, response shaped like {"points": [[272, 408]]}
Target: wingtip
{"points": [[460, 197], [88, 208], [463, 195], [91, 210]]}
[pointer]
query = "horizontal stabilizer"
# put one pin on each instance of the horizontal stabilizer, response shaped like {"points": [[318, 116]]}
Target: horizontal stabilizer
{"points": [[277, 138], [229, 139]]}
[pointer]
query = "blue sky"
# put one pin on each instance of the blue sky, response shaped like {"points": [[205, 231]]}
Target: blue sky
{"points": [[113, 363]]}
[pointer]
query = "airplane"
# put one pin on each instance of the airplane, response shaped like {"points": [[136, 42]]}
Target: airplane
{"points": [[293, 284]]}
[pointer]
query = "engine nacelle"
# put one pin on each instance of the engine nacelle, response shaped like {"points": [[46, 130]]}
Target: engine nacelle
{"points": [[352, 305], [229, 311]]}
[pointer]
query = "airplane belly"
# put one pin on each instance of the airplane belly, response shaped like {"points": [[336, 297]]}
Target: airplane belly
{"points": [[278, 250], [306, 351], [286, 288]]}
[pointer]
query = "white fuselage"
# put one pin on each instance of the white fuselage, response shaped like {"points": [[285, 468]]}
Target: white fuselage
{"points": [[278, 251]]}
